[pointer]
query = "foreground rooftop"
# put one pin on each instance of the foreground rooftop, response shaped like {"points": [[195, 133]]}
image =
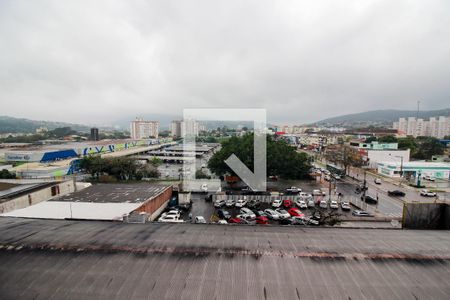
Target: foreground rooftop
{"points": [[46, 259]]}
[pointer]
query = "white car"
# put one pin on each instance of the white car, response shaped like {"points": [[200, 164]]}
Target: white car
{"points": [[222, 222], [170, 219], [311, 203], [277, 203], [305, 196], [323, 204], [282, 213], [377, 181], [430, 178], [271, 214], [200, 220], [293, 189], [337, 176], [219, 203], [301, 203], [241, 203], [173, 212], [345, 206], [230, 202], [247, 212], [318, 193], [334, 204], [427, 193]]}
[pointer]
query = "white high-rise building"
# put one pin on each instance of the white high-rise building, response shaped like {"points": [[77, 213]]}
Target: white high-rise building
{"points": [[435, 127], [141, 129], [180, 128]]}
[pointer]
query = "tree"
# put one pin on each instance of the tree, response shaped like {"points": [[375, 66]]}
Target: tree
{"points": [[199, 174], [407, 143], [370, 139], [427, 147], [344, 156], [5, 174], [387, 139], [282, 159]]}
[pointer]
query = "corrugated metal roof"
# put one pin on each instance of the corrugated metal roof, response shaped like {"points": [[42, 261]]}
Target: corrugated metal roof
{"points": [[85, 260]]}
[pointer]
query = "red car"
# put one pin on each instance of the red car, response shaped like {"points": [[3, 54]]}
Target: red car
{"points": [[295, 212], [287, 203], [262, 220], [235, 221]]}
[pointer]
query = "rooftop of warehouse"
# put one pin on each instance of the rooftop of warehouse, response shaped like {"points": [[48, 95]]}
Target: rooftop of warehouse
{"points": [[115, 193], [90, 260]]}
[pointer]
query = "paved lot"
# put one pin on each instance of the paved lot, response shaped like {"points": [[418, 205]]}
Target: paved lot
{"points": [[45, 259]]}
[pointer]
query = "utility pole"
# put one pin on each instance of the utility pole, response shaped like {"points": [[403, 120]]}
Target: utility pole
{"points": [[364, 191]]}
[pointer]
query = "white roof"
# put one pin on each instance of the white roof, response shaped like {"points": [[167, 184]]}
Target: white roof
{"points": [[80, 210]]}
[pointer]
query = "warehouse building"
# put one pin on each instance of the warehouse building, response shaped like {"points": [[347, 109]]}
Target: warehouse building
{"points": [[102, 202]]}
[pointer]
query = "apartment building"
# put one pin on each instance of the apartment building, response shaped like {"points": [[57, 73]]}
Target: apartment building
{"points": [[141, 129], [436, 126]]}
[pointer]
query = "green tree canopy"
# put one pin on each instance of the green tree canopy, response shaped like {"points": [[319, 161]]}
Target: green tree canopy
{"points": [[387, 139], [282, 159]]}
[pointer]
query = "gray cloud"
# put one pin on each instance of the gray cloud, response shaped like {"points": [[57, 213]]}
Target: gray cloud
{"points": [[98, 61]]}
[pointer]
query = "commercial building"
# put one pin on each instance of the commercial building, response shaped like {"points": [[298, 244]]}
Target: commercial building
{"points": [[187, 127], [15, 195], [436, 126], [374, 145], [375, 152], [102, 202], [141, 129], [94, 134], [414, 169]]}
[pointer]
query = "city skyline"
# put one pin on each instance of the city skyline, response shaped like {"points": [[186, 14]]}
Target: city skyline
{"points": [[124, 57]]}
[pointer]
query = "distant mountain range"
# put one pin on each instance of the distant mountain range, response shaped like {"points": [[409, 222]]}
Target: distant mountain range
{"points": [[21, 125], [380, 117]]}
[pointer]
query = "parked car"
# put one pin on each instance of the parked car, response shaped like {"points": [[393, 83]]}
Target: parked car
{"points": [[396, 193], [295, 212], [337, 176], [334, 204], [286, 221], [311, 203], [318, 193], [305, 196], [230, 202], [283, 214], [241, 203], [223, 214], [430, 178], [260, 213], [246, 219], [427, 193], [170, 219], [236, 220], [247, 212], [276, 203], [253, 203], [219, 203], [361, 213], [172, 212], [293, 189], [200, 220], [370, 199], [222, 222], [208, 198], [311, 221], [262, 220], [323, 204], [287, 203], [301, 203], [271, 214], [345, 206], [377, 181]]}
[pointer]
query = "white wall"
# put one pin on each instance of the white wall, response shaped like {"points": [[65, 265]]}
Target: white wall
{"points": [[376, 156]]}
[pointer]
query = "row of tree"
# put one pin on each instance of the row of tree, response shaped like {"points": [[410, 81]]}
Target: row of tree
{"points": [[282, 159], [122, 168], [422, 147]]}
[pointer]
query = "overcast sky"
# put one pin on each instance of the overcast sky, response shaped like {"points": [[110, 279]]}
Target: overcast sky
{"points": [[99, 61]]}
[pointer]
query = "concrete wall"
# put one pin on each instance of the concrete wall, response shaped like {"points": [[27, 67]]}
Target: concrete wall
{"points": [[35, 197], [426, 216], [153, 207]]}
